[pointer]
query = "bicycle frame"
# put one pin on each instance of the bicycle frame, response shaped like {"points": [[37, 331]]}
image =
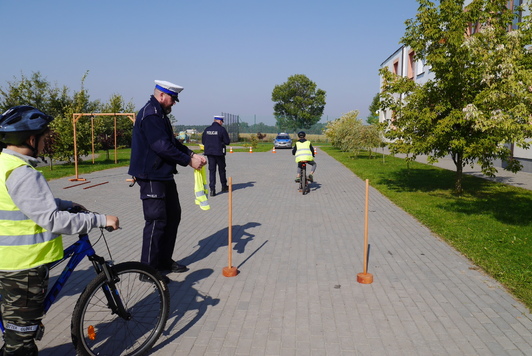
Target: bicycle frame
{"points": [[77, 252]]}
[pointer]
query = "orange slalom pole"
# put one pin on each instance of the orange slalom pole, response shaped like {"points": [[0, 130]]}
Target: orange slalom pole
{"points": [[230, 271], [364, 277]]}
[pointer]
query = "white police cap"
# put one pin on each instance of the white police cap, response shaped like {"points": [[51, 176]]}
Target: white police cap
{"points": [[219, 118], [169, 88]]}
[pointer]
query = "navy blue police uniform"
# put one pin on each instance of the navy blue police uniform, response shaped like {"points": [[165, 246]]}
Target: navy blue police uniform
{"points": [[214, 139], [155, 152]]}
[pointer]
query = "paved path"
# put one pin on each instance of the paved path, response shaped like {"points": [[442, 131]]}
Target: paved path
{"points": [[298, 257]]}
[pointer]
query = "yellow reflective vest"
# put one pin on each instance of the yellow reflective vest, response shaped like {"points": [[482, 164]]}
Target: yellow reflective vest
{"points": [[23, 243], [303, 152], [201, 188]]}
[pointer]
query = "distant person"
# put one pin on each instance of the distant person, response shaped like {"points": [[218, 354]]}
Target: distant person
{"points": [[214, 139], [182, 137], [155, 154], [31, 224], [304, 151]]}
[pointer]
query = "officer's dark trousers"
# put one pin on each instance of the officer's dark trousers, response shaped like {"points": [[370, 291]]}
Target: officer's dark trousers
{"points": [[162, 214], [23, 295], [216, 161]]}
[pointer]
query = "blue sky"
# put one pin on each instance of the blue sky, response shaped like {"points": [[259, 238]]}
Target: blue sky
{"points": [[228, 55]]}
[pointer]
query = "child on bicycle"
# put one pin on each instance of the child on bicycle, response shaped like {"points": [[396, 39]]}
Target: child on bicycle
{"points": [[304, 151], [31, 224]]}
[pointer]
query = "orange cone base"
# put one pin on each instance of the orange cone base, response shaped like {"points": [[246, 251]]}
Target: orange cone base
{"points": [[365, 278], [229, 271]]}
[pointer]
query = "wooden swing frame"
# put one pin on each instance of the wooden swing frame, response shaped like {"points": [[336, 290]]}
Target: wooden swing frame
{"points": [[76, 117]]}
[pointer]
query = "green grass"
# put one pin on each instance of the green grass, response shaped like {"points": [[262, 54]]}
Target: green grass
{"points": [[491, 223], [244, 147], [86, 166]]}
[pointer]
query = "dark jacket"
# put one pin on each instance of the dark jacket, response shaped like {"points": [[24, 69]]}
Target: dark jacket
{"points": [[214, 139], [155, 151]]}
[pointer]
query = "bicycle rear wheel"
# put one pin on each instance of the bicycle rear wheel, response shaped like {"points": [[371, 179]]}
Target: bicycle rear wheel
{"points": [[304, 180], [97, 331]]}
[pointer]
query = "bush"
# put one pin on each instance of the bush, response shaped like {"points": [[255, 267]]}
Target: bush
{"points": [[349, 134]]}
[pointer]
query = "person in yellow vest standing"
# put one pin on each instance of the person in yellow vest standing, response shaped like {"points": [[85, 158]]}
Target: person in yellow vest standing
{"points": [[31, 224], [304, 151]]}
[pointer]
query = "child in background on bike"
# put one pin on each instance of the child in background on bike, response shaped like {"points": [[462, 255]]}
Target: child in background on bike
{"points": [[31, 224], [304, 151]]}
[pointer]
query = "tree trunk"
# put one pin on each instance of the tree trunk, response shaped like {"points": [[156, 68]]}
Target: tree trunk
{"points": [[458, 161]]}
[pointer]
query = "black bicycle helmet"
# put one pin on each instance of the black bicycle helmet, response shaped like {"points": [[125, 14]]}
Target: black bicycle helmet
{"points": [[20, 122], [301, 134]]}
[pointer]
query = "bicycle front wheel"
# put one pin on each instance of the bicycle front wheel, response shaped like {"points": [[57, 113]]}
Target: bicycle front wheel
{"points": [[98, 331]]}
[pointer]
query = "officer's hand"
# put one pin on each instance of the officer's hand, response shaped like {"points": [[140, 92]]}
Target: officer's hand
{"points": [[112, 221], [197, 161]]}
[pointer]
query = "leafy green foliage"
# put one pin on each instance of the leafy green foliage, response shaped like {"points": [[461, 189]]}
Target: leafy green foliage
{"points": [[349, 134], [480, 100], [373, 118], [298, 103], [38, 92]]}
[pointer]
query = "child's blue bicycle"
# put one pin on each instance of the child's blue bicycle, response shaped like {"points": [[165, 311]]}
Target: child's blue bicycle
{"points": [[122, 311]]}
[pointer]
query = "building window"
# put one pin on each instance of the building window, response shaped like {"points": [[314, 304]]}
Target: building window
{"points": [[411, 65], [420, 67]]}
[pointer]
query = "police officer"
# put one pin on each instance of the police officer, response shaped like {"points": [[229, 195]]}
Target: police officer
{"points": [[214, 139], [31, 224], [155, 152]]}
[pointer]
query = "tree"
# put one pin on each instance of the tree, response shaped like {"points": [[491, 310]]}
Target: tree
{"points": [[298, 103], [56, 101], [35, 91], [373, 117], [349, 134], [480, 99], [64, 144], [38, 92], [124, 125]]}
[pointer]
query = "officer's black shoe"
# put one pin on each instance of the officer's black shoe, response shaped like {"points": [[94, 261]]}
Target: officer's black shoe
{"points": [[177, 268], [225, 189], [213, 193]]}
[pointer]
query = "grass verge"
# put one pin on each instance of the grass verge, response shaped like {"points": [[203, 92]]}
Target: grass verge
{"points": [[101, 162], [491, 223]]}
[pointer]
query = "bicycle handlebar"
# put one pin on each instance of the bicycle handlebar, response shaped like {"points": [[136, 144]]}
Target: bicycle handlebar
{"points": [[77, 209]]}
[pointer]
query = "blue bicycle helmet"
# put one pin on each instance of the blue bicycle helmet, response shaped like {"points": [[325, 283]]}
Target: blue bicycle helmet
{"points": [[20, 122]]}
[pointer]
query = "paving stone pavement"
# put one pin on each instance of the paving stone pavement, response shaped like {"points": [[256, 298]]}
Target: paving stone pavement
{"points": [[298, 258]]}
